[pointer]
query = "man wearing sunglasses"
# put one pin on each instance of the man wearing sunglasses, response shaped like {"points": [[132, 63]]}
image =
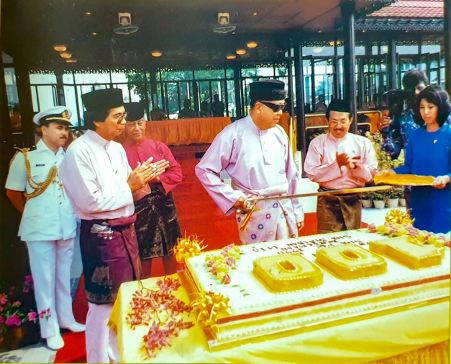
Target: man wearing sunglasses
{"points": [[99, 183], [256, 153], [340, 160]]}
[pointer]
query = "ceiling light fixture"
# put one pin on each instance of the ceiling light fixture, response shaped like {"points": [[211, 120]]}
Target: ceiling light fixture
{"points": [[317, 50], [157, 54], [94, 33], [71, 60], [320, 31], [252, 45], [240, 51], [88, 13], [59, 47], [66, 55], [231, 56], [255, 14]]}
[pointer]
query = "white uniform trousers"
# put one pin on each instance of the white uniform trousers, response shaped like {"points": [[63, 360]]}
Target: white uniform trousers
{"points": [[50, 263], [101, 342]]}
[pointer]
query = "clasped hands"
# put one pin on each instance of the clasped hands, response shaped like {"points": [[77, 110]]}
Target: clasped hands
{"points": [[344, 160], [146, 172]]}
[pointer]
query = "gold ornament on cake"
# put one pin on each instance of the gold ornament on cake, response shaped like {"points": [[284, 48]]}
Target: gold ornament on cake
{"points": [[208, 306], [187, 247], [398, 217]]}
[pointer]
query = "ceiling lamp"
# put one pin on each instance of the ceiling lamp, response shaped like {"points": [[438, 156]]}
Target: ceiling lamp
{"points": [[318, 49], [240, 51], [231, 56], [252, 45], [255, 14], [157, 54], [66, 55], [59, 47], [71, 60]]}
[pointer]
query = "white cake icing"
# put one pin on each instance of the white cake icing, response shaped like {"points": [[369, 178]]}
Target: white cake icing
{"points": [[251, 300]]}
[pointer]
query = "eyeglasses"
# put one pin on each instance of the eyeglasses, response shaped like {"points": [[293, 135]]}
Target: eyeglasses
{"points": [[341, 122], [119, 117], [274, 107]]}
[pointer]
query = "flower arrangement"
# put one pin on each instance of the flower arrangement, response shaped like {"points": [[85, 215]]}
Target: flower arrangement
{"points": [[398, 223], [17, 306], [160, 310], [220, 265], [384, 161]]}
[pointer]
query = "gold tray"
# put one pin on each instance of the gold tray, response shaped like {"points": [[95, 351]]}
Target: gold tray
{"points": [[404, 180]]}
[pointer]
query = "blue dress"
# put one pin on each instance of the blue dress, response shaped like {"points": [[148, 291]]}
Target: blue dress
{"points": [[429, 154]]}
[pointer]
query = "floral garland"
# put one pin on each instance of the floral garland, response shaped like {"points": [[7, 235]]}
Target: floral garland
{"points": [[398, 223], [159, 310], [221, 264]]}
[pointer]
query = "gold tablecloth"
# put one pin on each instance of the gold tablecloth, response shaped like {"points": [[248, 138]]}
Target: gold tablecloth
{"points": [[414, 336], [186, 131]]}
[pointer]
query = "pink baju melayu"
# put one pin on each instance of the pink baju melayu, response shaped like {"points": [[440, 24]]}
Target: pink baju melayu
{"points": [[260, 163], [340, 212]]}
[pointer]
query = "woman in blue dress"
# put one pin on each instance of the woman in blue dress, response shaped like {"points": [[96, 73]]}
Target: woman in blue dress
{"points": [[428, 153]]}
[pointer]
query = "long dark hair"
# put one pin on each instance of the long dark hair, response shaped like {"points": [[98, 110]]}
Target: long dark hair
{"points": [[437, 96]]}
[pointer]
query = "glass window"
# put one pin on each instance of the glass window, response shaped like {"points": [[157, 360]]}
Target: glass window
{"points": [[42, 79], [176, 75], [409, 49], [430, 48], [208, 74], [121, 77], [68, 78], [231, 106], [92, 78], [13, 99], [71, 104], [229, 73]]}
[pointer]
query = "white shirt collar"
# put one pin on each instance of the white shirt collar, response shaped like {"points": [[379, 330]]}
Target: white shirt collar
{"points": [[97, 138], [41, 147]]}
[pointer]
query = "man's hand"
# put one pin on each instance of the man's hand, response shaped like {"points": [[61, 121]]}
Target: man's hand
{"points": [[385, 121], [342, 159], [440, 182], [239, 204], [159, 167], [385, 172], [140, 176], [300, 225]]}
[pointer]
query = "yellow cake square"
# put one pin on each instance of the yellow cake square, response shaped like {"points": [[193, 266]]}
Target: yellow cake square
{"points": [[414, 256], [287, 272], [350, 261]]}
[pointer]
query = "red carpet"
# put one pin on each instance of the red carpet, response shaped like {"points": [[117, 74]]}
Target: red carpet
{"points": [[198, 214]]}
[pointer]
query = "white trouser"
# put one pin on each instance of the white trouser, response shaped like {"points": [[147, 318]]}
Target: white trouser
{"points": [[101, 344], [50, 263]]}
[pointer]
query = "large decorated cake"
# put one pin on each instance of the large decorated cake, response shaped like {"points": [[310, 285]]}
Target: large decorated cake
{"points": [[303, 284]]}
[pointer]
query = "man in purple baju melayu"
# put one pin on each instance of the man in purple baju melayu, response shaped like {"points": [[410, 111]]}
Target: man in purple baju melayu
{"points": [[256, 153]]}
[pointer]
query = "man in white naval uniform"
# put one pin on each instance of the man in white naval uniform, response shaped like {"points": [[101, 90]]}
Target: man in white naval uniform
{"points": [[48, 224]]}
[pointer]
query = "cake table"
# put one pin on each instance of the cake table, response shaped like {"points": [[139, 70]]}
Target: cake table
{"points": [[417, 334]]}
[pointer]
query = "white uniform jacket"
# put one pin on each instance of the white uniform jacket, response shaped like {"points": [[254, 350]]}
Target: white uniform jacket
{"points": [[49, 216]]}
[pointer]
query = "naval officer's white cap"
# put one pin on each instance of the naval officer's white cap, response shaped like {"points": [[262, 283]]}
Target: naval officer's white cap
{"points": [[58, 114]]}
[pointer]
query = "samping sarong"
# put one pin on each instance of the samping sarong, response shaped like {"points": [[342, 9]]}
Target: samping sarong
{"points": [[157, 225], [109, 260], [271, 219], [338, 212]]}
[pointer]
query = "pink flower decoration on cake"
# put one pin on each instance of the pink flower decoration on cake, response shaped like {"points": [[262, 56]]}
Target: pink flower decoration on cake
{"points": [[372, 228], [226, 279]]}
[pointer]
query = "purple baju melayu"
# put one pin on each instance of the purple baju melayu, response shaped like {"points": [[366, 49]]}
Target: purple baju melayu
{"points": [[260, 163]]}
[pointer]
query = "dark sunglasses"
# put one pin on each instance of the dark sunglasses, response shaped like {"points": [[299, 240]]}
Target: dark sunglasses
{"points": [[274, 107]]}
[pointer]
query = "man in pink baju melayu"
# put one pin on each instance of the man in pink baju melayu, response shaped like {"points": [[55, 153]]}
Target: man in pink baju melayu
{"points": [[256, 153]]}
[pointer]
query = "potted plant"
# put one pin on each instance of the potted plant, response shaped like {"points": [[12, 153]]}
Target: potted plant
{"points": [[393, 198], [18, 317], [379, 199], [366, 200]]}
